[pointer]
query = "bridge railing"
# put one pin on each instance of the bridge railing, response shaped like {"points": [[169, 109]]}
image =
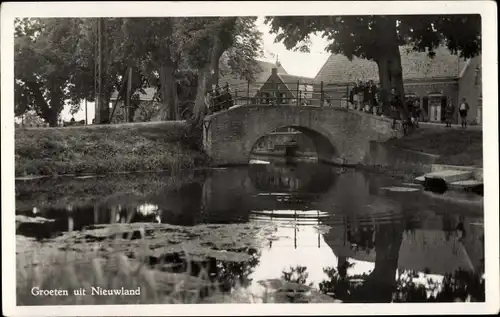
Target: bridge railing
{"points": [[299, 93]]}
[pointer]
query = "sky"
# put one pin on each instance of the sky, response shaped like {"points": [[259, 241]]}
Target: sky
{"points": [[295, 63]]}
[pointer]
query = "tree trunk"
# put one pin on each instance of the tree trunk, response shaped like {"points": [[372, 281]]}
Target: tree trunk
{"points": [[51, 118], [169, 109], [385, 84], [389, 63], [207, 76], [204, 80]]}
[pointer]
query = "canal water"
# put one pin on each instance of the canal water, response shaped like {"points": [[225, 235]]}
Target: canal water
{"points": [[332, 224]]}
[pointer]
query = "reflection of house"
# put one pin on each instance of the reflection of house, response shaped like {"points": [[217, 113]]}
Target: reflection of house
{"points": [[430, 80]]}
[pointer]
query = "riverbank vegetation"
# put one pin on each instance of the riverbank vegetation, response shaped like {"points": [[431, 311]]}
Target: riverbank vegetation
{"points": [[454, 146], [165, 146]]}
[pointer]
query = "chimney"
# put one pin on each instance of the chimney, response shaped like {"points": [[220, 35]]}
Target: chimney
{"points": [[274, 71]]}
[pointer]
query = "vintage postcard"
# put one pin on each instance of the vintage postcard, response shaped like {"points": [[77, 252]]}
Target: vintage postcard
{"points": [[249, 158]]}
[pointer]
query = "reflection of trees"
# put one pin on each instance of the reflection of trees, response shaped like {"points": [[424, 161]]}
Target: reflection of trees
{"points": [[459, 286], [296, 275], [233, 274], [222, 275]]}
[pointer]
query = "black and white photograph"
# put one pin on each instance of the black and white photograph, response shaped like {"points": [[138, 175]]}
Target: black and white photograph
{"points": [[292, 153]]}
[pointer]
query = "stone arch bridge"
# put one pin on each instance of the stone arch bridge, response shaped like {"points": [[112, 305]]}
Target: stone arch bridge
{"points": [[340, 136]]}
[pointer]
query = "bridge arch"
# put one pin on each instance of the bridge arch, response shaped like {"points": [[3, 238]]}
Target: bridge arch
{"points": [[340, 136], [322, 142]]}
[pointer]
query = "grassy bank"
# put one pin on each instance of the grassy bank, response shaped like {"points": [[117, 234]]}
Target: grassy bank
{"points": [[454, 146], [105, 149]]}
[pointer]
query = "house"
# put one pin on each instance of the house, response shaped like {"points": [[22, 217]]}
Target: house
{"points": [[289, 89], [148, 105], [242, 88], [431, 80]]}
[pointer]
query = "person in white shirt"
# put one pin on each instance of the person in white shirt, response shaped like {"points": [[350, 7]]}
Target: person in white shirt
{"points": [[463, 108]]}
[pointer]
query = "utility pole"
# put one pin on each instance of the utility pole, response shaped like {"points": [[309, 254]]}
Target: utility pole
{"points": [[96, 73], [86, 118], [129, 94], [100, 110]]}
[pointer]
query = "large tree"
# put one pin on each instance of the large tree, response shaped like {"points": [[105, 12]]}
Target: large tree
{"points": [[114, 63], [204, 41], [55, 64], [378, 38], [43, 64], [161, 52], [152, 46]]}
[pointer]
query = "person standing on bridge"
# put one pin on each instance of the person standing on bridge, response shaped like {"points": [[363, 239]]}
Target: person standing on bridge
{"points": [[228, 98], [396, 104]]}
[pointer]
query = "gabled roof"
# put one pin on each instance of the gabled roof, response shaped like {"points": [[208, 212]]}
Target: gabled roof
{"points": [[290, 81], [241, 85], [416, 65]]}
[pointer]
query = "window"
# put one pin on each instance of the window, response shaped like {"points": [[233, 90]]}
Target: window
{"points": [[282, 98], [265, 98]]}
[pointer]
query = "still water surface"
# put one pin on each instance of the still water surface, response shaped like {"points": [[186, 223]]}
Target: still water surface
{"points": [[337, 223]]}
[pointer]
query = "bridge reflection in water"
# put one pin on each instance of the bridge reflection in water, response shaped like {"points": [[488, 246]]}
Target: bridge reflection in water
{"points": [[324, 217]]}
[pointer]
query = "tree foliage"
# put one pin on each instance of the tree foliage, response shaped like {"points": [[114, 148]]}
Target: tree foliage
{"points": [[43, 57], [56, 58], [378, 37]]}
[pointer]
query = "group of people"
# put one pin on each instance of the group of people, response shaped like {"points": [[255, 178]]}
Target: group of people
{"points": [[463, 108], [367, 97], [218, 99], [215, 100], [364, 96]]}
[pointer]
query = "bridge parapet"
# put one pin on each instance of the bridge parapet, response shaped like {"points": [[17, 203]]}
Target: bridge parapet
{"points": [[339, 135]]}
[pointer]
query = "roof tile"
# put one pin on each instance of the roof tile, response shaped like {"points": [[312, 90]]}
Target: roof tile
{"points": [[416, 65]]}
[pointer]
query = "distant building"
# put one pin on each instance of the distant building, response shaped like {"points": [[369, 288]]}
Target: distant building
{"points": [[146, 102], [430, 80], [242, 88], [285, 89]]}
